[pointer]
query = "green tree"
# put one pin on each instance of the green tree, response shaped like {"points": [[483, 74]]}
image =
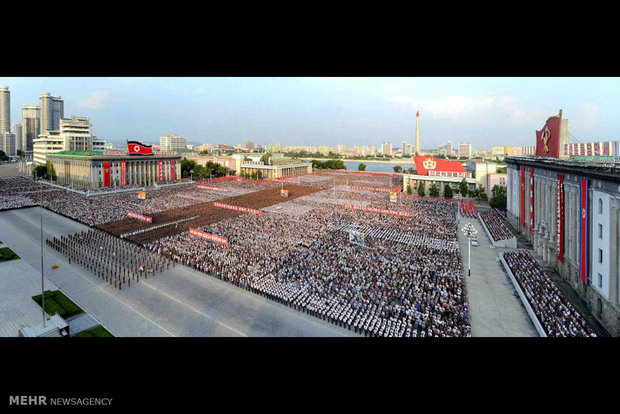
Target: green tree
{"points": [[361, 167], [498, 199], [265, 158], [433, 191], [21, 153], [186, 167], [409, 190], [40, 171], [447, 191], [463, 188], [481, 193], [51, 172], [398, 168], [421, 189]]}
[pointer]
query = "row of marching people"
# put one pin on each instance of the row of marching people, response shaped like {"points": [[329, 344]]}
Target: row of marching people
{"points": [[116, 261], [468, 209]]}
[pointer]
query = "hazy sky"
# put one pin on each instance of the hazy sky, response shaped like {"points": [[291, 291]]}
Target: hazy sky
{"points": [[331, 111]]}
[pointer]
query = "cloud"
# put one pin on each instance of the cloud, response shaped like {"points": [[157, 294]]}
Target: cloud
{"points": [[96, 100], [467, 110], [586, 117]]}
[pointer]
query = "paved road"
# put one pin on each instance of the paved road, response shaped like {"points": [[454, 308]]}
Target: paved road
{"points": [[494, 306], [178, 302]]}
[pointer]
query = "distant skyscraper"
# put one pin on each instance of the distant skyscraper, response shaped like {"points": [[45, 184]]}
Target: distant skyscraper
{"points": [[31, 127], [17, 131], [5, 109], [386, 148], [465, 150], [51, 109], [172, 142], [7, 143], [418, 149]]}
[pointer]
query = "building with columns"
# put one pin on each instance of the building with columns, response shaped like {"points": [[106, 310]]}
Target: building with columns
{"points": [[87, 170], [570, 211]]}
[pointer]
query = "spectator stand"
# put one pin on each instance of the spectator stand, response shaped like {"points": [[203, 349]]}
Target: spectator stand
{"points": [[507, 243], [526, 303]]}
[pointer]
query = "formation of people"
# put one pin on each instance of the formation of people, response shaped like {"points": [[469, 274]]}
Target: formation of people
{"points": [[495, 224], [555, 313], [111, 259]]}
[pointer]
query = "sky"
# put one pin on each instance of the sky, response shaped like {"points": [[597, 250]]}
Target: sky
{"points": [[331, 111]]}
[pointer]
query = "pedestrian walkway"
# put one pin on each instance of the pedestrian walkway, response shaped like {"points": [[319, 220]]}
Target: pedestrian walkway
{"points": [[494, 307]]}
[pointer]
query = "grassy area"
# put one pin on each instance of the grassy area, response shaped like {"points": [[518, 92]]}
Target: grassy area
{"points": [[95, 332], [7, 254], [57, 303]]}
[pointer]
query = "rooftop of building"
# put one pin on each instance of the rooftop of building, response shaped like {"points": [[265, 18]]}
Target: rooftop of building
{"points": [[91, 154], [604, 168]]}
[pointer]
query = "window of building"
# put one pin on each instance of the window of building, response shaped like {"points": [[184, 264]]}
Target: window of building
{"points": [[600, 280], [600, 231], [600, 256], [600, 206]]}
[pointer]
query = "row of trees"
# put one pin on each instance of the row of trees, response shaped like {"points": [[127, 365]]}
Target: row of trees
{"points": [[45, 172], [211, 170], [328, 165], [448, 192]]}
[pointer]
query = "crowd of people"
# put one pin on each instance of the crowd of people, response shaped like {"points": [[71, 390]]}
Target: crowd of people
{"points": [[111, 259], [394, 285], [556, 314], [495, 224]]}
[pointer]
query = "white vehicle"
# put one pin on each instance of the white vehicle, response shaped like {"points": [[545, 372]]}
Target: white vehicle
{"points": [[474, 242]]}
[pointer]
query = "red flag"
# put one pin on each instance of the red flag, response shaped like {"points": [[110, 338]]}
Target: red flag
{"points": [[138, 148]]}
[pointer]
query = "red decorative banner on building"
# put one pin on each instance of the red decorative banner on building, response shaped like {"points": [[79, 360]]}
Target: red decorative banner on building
{"points": [[583, 230], [106, 174], [207, 187], [560, 216], [548, 138], [238, 208], [211, 237], [531, 201], [160, 169], [523, 196], [123, 173], [377, 210], [375, 189], [172, 176], [139, 217]]}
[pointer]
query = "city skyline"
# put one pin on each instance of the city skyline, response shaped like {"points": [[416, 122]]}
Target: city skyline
{"points": [[330, 111]]}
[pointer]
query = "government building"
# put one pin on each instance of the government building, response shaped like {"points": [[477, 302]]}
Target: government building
{"points": [[569, 209], [87, 170]]}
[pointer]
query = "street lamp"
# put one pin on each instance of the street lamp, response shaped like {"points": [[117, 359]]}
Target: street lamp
{"points": [[191, 175], [469, 231]]}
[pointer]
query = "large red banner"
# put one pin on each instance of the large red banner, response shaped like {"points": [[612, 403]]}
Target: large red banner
{"points": [[531, 201], [377, 210], [238, 208], [376, 189], [211, 237], [106, 174], [138, 148], [560, 215], [160, 169], [548, 138], [583, 228], [522, 196], [207, 187], [172, 176], [139, 217], [123, 173]]}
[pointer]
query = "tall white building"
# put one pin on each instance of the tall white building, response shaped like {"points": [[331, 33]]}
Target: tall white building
{"points": [[7, 143], [5, 109], [465, 150], [386, 148], [172, 142], [51, 109], [74, 134], [30, 126], [17, 131]]}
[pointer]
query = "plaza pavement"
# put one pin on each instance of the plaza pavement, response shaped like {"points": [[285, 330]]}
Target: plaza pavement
{"points": [[494, 306], [178, 302]]}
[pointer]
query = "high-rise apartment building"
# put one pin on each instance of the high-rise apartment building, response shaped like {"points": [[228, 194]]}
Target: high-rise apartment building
{"points": [[30, 126], [51, 110], [5, 109], [17, 131], [172, 142], [465, 150], [386, 148], [7, 143]]}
